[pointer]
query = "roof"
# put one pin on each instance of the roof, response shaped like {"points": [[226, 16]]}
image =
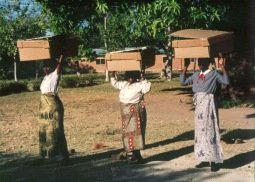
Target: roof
{"points": [[99, 51], [53, 36], [131, 49], [199, 33]]}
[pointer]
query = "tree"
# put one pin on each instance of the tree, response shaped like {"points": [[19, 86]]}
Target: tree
{"points": [[146, 23], [102, 8], [18, 21], [66, 16]]}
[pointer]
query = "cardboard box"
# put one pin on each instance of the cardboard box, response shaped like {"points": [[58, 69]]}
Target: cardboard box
{"points": [[131, 59], [46, 48], [123, 56], [197, 43]]}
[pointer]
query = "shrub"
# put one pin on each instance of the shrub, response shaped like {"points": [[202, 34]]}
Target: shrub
{"points": [[236, 103], [77, 81], [9, 87], [33, 85], [68, 82]]}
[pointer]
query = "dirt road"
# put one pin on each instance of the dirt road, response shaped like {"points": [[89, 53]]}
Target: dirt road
{"points": [[92, 117]]}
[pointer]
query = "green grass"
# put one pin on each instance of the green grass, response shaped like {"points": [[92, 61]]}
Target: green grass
{"points": [[95, 82], [237, 103]]}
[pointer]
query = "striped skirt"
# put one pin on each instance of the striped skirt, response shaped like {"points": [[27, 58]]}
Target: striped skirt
{"points": [[207, 145], [52, 140], [134, 120]]}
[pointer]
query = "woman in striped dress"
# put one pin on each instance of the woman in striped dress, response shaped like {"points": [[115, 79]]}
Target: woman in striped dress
{"points": [[133, 113]]}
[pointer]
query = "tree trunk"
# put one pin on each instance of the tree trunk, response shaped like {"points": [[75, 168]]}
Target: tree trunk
{"points": [[169, 52], [105, 46], [105, 28], [106, 75], [36, 71], [15, 71]]}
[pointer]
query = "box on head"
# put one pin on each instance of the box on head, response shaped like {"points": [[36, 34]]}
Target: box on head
{"points": [[48, 48], [198, 43], [132, 59]]}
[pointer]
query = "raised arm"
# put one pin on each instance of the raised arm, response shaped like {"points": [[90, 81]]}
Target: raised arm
{"points": [[223, 79], [183, 76], [114, 82], [59, 64], [146, 86]]}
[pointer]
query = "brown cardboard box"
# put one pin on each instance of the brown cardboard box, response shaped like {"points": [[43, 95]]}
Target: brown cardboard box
{"points": [[123, 65], [123, 56], [132, 59], [197, 43], [45, 48]]}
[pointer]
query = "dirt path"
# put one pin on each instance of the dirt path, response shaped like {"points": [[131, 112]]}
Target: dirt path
{"points": [[92, 118]]}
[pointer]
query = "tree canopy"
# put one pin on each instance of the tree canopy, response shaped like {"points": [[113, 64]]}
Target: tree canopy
{"points": [[116, 23], [18, 21]]}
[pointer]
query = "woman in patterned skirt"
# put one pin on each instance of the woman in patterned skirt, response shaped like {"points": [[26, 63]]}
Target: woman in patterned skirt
{"points": [[52, 142], [133, 113], [207, 145]]}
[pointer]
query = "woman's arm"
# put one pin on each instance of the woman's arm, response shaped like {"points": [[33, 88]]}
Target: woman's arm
{"points": [[183, 76], [146, 86], [223, 79], [115, 83], [59, 64]]}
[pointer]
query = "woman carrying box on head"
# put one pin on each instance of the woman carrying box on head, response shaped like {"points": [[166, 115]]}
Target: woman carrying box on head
{"points": [[133, 113], [207, 145], [52, 142]]}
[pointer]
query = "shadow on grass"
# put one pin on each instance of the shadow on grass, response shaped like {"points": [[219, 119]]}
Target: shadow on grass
{"points": [[92, 167], [181, 90], [100, 167], [189, 135], [239, 160], [22, 165], [230, 136], [29, 160], [166, 156], [250, 115]]}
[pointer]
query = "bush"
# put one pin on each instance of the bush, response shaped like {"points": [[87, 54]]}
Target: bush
{"points": [[236, 103], [34, 85], [9, 87], [68, 82], [77, 81]]}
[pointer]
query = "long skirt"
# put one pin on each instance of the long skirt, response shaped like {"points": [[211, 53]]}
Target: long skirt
{"points": [[52, 141], [134, 118], [207, 145]]}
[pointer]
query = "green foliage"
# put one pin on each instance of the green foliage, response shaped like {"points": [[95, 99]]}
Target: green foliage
{"points": [[101, 7], [9, 87], [128, 23], [65, 16], [78, 81], [33, 85], [148, 23], [18, 21], [71, 81], [122, 24], [87, 53], [236, 103]]}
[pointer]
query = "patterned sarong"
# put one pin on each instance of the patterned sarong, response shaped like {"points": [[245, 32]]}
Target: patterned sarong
{"points": [[52, 140], [207, 135], [134, 119]]}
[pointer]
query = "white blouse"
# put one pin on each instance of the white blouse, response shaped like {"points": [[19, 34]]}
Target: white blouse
{"points": [[131, 93], [50, 83]]}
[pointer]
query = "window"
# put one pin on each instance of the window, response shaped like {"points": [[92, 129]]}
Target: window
{"points": [[100, 61]]}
